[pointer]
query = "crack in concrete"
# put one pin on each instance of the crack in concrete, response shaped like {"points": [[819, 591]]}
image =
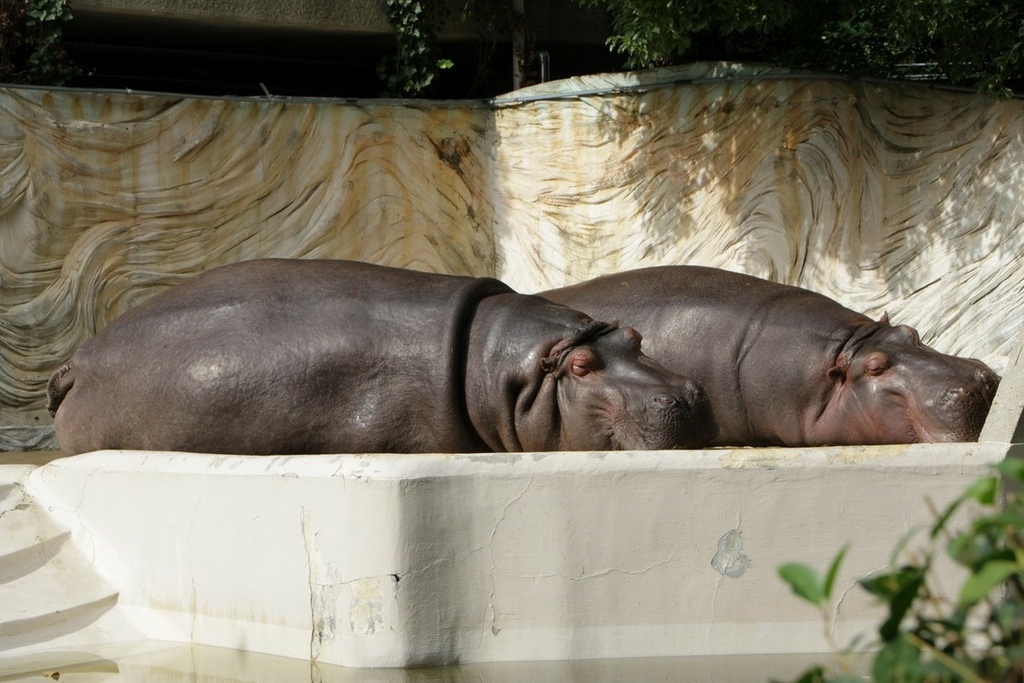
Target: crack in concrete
{"points": [[494, 630], [321, 625], [85, 539], [834, 624], [193, 602], [431, 565], [597, 574]]}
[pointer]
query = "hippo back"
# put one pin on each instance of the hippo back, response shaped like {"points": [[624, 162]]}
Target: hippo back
{"points": [[784, 365], [280, 356]]}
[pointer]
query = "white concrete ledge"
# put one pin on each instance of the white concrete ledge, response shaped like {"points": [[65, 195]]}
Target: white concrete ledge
{"points": [[401, 560]]}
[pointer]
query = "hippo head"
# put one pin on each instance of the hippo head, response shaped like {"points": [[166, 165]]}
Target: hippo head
{"points": [[610, 396], [888, 387]]}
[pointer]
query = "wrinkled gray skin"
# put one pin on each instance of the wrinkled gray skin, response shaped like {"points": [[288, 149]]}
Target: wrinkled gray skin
{"points": [[293, 356], [786, 366]]}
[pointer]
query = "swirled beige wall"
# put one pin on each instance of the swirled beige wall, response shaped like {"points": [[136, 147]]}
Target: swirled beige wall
{"points": [[897, 198]]}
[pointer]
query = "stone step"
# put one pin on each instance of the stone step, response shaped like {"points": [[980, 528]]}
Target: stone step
{"points": [[31, 538], [41, 614], [10, 477], [19, 561], [47, 587]]}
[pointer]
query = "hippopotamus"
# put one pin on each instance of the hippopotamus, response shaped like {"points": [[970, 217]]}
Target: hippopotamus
{"points": [[786, 366], [284, 356]]}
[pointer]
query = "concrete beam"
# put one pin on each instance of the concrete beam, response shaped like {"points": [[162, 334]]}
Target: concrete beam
{"points": [[548, 20], [356, 16], [1005, 422]]}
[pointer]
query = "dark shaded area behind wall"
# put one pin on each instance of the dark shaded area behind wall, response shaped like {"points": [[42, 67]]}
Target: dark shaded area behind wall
{"points": [[192, 57]]}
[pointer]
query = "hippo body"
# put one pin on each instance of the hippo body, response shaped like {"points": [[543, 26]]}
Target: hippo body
{"points": [[786, 366], [315, 356]]}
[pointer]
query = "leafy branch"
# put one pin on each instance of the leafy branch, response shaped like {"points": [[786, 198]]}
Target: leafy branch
{"points": [[416, 62], [965, 42], [31, 42], [927, 636]]}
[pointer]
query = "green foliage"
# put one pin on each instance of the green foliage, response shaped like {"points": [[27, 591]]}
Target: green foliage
{"points": [[416, 63], [31, 42], [806, 583], [880, 39], [928, 636], [657, 33], [973, 42]]}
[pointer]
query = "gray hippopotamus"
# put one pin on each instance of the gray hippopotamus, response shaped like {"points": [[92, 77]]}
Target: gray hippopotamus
{"points": [[305, 356], [787, 366]]}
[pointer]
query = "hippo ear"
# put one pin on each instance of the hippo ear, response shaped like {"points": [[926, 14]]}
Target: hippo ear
{"points": [[837, 374], [549, 364], [885, 318]]}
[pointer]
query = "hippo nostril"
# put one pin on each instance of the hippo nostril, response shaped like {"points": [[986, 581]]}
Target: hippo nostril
{"points": [[984, 376], [988, 380], [665, 401], [953, 396]]}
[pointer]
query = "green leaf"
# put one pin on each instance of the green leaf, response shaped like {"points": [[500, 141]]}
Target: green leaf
{"points": [[990, 575], [983, 490], [896, 661], [830, 576], [900, 603], [1000, 519], [886, 586], [815, 675], [1015, 653], [1009, 616], [975, 549], [1012, 468], [804, 581], [943, 519]]}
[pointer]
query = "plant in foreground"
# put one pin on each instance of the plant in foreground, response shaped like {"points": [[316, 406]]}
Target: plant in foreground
{"points": [[928, 636]]}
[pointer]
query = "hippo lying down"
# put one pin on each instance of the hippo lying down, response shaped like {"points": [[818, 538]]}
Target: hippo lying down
{"points": [[296, 356], [786, 366]]}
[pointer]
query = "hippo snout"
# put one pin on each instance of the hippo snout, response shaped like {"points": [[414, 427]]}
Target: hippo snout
{"points": [[987, 381], [675, 415], [964, 398], [687, 392], [953, 398], [964, 407], [976, 394], [681, 416]]}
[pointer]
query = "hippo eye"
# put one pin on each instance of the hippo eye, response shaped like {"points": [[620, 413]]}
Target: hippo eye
{"points": [[877, 364], [582, 363]]}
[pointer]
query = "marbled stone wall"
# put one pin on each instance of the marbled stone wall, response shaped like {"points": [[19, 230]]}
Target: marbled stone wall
{"points": [[887, 197], [904, 199], [106, 199]]}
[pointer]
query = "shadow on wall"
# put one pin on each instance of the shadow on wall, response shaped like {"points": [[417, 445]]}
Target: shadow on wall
{"points": [[888, 197]]}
